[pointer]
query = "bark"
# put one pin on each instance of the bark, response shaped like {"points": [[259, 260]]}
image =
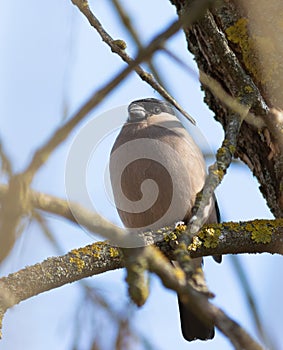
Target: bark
{"points": [[230, 45]]}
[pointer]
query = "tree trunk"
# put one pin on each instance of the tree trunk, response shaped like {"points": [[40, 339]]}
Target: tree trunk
{"points": [[240, 46]]}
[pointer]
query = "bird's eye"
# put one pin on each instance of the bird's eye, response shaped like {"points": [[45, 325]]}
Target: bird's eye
{"points": [[156, 110]]}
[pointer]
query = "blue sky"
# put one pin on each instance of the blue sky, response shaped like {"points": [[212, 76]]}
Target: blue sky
{"points": [[51, 59]]}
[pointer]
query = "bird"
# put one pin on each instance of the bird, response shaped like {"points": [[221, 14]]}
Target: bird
{"points": [[156, 170]]}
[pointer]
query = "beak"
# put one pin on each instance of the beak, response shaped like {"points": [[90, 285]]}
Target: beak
{"points": [[136, 113]]}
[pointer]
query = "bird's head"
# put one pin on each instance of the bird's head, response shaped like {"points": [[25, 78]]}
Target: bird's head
{"points": [[140, 110]]}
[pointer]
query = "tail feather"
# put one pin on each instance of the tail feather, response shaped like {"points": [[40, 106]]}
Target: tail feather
{"points": [[192, 327]]}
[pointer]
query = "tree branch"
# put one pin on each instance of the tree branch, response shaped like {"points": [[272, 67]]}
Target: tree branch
{"points": [[199, 303], [256, 236], [15, 204], [127, 22], [56, 272], [119, 47], [205, 196], [100, 257], [220, 36]]}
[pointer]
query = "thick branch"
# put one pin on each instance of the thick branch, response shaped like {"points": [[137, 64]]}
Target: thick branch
{"points": [[58, 271], [218, 42], [100, 257], [257, 236]]}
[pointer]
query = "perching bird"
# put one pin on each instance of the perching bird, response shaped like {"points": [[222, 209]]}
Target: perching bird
{"points": [[156, 170]]}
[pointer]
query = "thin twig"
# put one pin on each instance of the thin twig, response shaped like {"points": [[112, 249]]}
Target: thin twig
{"points": [[224, 156], [155, 45], [127, 22], [62, 133], [15, 203], [42, 222], [231, 102], [217, 90], [203, 200]]}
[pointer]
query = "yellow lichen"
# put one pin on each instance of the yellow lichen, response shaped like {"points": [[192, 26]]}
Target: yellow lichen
{"points": [[96, 249], [180, 250], [261, 231], [221, 151], [248, 89], [261, 236], [231, 226], [238, 32], [179, 273], [258, 52], [79, 263], [93, 250], [210, 236], [196, 243], [114, 252], [181, 227], [88, 250], [99, 245], [172, 236], [219, 173], [232, 149]]}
